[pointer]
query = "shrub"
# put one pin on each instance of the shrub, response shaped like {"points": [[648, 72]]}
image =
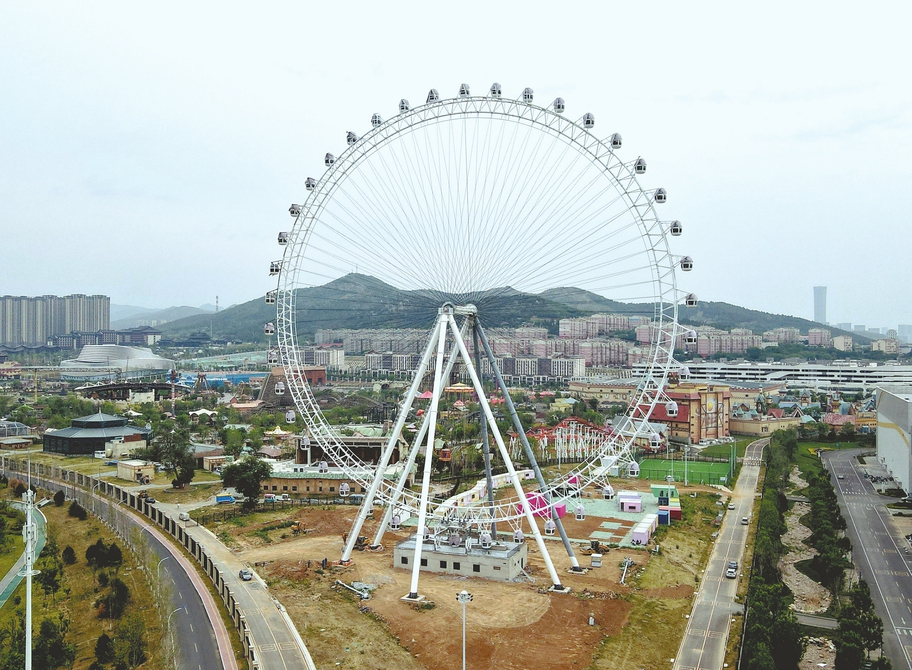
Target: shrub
{"points": [[59, 498], [69, 555], [78, 511]]}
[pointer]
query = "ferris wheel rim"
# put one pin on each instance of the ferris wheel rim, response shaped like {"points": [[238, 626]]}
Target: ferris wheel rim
{"points": [[599, 153]]}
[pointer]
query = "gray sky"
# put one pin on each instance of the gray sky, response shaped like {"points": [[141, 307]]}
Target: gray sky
{"points": [[150, 152]]}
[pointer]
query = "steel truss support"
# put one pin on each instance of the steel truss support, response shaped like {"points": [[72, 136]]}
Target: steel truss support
{"points": [[517, 424]]}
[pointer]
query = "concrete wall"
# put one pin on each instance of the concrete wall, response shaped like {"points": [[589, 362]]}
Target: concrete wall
{"points": [[894, 425]]}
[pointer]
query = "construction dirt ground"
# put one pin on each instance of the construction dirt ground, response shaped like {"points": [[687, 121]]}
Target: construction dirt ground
{"points": [[509, 625]]}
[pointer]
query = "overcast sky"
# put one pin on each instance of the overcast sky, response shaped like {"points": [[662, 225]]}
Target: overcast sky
{"points": [[150, 152]]}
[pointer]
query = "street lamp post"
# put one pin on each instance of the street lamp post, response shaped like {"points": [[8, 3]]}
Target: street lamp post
{"points": [[170, 632], [464, 597]]}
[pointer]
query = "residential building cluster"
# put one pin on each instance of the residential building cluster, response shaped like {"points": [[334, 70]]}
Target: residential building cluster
{"points": [[141, 336], [32, 321]]}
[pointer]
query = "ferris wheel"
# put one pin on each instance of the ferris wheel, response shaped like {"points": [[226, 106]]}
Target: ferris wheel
{"points": [[458, 215]]}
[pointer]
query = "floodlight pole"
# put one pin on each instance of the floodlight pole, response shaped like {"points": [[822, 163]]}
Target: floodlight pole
{"points": [[464, 597]]}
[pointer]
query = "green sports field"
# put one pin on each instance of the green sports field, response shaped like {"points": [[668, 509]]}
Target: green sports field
{"points": [[697, 472]]}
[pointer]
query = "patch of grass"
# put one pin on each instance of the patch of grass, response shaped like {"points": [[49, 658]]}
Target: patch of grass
{"points": [[79, 589], [651, 637]]}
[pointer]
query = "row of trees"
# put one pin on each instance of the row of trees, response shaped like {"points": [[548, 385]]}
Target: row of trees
{"points": [[772, 636], [827, 527]]}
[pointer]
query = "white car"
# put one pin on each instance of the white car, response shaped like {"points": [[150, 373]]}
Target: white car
{"points": [[731, 505]]}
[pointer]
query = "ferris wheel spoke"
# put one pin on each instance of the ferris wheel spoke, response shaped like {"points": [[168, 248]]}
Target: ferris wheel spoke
{"points": [[467, 200]]}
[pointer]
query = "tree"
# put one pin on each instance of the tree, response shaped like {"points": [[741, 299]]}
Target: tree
{"points": [[59, 498], [50, 649], [173, 449], [130, 642], [247, 476], [104, 649], [78, 511], [69, 555]]}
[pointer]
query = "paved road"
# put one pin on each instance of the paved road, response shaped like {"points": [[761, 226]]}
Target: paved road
{"points": [[706, 636], [12, 578], [195, 640], [278, 644], [877, 551]]}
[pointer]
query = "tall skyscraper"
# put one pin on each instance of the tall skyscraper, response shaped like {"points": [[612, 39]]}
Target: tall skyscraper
{"points": [[820, 304]]}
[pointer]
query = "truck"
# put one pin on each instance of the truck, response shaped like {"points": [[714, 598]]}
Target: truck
{"points": [[225, 498]]}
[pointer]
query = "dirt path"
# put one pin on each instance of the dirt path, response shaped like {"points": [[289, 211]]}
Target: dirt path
{"points": [[810, 597]]}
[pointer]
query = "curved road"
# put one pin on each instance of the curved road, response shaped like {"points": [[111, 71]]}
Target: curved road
{"points": [[706, 635], [194, 636], [878, 551]]}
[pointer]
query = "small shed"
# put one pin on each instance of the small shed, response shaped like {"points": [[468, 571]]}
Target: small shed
{"points": [[135, 470]]}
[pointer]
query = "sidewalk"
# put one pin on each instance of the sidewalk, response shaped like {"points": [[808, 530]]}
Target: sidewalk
{"points": [[12, 578]]}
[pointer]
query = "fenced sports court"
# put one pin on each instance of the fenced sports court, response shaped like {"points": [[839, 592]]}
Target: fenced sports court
{"points": [[698, 472]]}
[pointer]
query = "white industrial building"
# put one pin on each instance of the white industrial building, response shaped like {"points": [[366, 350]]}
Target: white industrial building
{"points": [[894, 426], [102, 361]]}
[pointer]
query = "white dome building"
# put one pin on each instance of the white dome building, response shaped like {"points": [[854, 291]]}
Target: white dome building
{"points": [[131, 361]]}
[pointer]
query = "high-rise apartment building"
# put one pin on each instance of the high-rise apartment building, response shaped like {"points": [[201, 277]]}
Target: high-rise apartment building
{"points": [[820, 304], [26, 320]]}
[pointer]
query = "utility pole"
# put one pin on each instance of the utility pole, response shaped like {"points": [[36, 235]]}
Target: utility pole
{"points": [[464, 597], [29, 535]]}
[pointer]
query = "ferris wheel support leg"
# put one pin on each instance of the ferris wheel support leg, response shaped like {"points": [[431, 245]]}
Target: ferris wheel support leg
{"points": [[368, 503], [485, 442], [441, 332], [413, 453], [517, 486], [517, 424]]}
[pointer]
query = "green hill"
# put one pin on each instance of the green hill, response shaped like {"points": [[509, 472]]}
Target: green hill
{"points": [[361, 301]]}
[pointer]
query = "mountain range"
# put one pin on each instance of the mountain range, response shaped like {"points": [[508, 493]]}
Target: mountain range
{"points": [[361, 301], [130, 316]]}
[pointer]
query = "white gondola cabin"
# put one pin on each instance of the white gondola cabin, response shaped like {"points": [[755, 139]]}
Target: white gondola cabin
{"points": [[396, 522], [687, 264], [558, 105], [275, 267], [464, 91], [329, 160], [690, 337], [290, 416], [323, 467], [660, 196], [376, 120], [433, 95], [691, 300], [640, 166], [310, 183], [269, 328], [676, 228], [550, 527], [528, 95], [671, 408], [344, 490], [580, 513], [485, 540], [350, 138], [271, 297], [588, 121], [616, 141], [295, 211], [496, 90], [655, 441], [518, 536], [272, 356], [283, 238], [403, 105], [280, 388]]}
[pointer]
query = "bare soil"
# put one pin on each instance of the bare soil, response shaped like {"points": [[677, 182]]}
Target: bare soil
{"points": [[509, 625], [820, 653], [810, 597]]}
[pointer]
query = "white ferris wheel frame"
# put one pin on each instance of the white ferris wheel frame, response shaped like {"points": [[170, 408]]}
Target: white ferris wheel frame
{"points": [[640, 203]]}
